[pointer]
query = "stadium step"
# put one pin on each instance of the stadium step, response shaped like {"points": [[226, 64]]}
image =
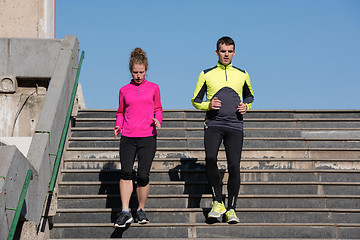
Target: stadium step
{"points": [[299, 173]]}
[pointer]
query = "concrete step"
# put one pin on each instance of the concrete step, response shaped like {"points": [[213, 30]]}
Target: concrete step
{"points": [[203, 230], [249, 132], [265, 153], [198, 215], [247, 188], [198, 238], [187, 142], [204, 201], [193, 113], [300, 178], [111, 113], [248, 123], [187, 174], [176, 163]]}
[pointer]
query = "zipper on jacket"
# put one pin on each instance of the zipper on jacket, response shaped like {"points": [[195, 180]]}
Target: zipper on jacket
{"points": [[137, 89], [225, 73]]}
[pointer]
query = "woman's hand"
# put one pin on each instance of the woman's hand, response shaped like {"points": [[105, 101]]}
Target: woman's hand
{"points": [[116, 131], [157, 123], [242, 108]]}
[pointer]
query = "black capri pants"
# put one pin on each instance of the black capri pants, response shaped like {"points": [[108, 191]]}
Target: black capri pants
{"points": [[142, 147]]}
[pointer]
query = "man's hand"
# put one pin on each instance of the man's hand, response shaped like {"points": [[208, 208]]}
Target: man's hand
{"points": [[242, 108], [116, 131], [215, 104], [157, 123]]}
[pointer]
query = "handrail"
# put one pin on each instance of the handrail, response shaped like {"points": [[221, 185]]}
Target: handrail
{"points": [[19, 206], [66, 126]]}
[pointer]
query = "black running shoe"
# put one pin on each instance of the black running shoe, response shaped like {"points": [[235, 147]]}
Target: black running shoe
{"points": [[123, 219], [141, 217]]}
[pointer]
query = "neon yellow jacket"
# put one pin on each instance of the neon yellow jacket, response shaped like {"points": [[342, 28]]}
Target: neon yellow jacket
{"points": [[231, 85]]}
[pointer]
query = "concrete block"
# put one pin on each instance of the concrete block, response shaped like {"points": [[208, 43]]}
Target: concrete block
{"points": [[4, 53], [52, 116], [29, 231], [13, 170], [33, 57], [22, 143]]}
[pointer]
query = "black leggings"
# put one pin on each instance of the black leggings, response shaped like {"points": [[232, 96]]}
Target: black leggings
{"points": [[144, 148], [233, 142]]}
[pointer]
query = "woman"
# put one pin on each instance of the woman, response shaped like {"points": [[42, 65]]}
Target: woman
{"points": [[138, 116]]}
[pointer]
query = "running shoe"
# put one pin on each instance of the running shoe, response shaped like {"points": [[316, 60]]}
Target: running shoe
{"points": [[141, 217], [217, 209], [123, 219], [231, 217]]}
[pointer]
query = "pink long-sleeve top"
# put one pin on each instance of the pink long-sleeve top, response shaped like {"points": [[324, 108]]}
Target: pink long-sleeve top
{"points": [[138, 105]]}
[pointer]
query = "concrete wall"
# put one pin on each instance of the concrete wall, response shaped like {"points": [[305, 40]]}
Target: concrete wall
{"points": [[14, 167], [31, 63], [27, 19], [34, 58], [61, 71]]}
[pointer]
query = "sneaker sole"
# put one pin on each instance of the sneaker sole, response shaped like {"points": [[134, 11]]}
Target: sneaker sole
{"points": [[217, 216], [124, 225], [143, 221], [233, 221]]}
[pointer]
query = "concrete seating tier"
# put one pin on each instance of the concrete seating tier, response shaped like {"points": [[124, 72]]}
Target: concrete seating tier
{"points": [[299, 172]]}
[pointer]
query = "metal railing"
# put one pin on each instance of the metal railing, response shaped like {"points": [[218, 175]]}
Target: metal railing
{"points": [[66, 126]]}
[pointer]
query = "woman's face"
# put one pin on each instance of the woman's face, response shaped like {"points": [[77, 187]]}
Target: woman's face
{"points": [[138, 73]]}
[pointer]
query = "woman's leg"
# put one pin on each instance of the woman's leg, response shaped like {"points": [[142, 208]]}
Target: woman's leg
{"points": [[126, 189], [142, 194], [146, 153], [127, 158]]}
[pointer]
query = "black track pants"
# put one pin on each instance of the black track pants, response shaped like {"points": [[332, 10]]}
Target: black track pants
{"points": [[233, 142], [144, 148]]}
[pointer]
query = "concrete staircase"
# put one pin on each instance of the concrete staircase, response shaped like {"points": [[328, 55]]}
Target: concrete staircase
{"points": [[300, 179]]}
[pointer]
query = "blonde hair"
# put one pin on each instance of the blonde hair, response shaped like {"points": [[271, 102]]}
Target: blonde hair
{"points": [[138, 56]]}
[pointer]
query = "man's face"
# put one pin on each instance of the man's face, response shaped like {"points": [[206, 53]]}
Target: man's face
{"points": [[225, 53]]}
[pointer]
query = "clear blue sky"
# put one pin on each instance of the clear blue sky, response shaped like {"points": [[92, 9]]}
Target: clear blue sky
{"points": [[300, 54]]}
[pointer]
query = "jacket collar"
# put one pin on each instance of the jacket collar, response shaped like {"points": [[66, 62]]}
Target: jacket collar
{"points": [[136, 84], [222, 66]]}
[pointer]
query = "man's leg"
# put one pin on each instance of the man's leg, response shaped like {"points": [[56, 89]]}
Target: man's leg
{"points": [[233, 142], [212, 141]]}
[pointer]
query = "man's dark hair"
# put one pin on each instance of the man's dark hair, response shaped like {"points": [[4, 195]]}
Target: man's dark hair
{"points": [[225, 40]]}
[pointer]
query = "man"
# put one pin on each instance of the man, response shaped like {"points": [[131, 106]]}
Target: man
{"points": [[228, 96]]}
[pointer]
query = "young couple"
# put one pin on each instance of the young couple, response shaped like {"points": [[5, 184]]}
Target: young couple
{"points": [[228, 96]]}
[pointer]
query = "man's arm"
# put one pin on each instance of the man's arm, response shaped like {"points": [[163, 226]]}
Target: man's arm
{"points": [[200, 90], [247, 93]]}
